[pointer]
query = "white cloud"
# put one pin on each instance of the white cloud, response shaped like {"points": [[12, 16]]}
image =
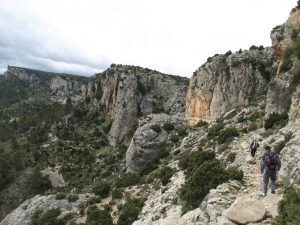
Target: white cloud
{"points": [[171, 36]]}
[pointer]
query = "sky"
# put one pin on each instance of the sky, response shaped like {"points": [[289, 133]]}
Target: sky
{"points": [[176, 37]]}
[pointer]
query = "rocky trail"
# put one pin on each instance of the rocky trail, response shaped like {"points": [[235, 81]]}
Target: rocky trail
{"points": [[250, 207]]}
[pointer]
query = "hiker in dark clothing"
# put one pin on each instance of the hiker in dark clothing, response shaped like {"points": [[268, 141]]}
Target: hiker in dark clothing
{"points": [[253, 146], [270, 164]]}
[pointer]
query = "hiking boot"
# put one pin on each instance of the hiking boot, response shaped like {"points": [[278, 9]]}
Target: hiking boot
{"points": [[263, 195], [273, 192]]}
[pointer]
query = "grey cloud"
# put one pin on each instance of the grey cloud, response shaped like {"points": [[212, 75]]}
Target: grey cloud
{"points": [[32, 44]]}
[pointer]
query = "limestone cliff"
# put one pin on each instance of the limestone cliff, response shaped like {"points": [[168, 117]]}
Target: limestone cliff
{"points": [[228, 81], [60, 85], [127, 93], [284, 40]]}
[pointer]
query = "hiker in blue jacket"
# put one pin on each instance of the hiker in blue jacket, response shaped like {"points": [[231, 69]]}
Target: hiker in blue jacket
{"points": [[269, 166]]}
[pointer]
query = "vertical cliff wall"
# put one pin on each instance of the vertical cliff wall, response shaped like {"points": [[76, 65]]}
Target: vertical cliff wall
{"points": [[128, 93], [228, 81]]}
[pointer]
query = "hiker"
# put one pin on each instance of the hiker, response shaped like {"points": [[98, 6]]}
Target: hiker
{"points": [[253, 146], [270, 164]]}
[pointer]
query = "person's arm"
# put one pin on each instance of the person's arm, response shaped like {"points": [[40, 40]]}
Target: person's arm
{"points": [[278, 163], [262, 164]]}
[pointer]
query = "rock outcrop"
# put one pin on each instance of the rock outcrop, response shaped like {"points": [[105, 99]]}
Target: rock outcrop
{"points": [[228, 81], [23, 214], [128, 92], [283, 39], [147, 141]]}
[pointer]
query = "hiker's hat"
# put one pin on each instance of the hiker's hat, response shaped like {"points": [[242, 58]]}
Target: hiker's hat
{"points": [[267, 148]]}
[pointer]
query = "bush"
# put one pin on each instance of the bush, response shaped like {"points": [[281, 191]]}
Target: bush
{"points": [[101, 188], [156, 128], [226, 134], [97, 216], [130, 211], [117, 193], [214, 131], [205, 177], [168, 126], [203, 172], [72, 197], [128, 179], [276, 119], [60, 196], [174, 138], [289, 207], [201, 123], [37, 183], [149, 166], [181, 131], [49, 217], [235, 174], [165, 174]]}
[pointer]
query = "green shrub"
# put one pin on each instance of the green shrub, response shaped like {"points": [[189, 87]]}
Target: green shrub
{"points": [[165, 174], [37, 183], [49, 217], [130, 211], [162, 153], [168, 126], [181, 131], [60, 196], [127, 179], [276, 119], [226, 134], [156, 128], [97, 216], [72, 197], [117, 193], [235, 174], [174, 138], [228, 53], [142, 88], [203, 172], [101, 188], [289, 208], [214, 131], [201, 123], [205, 177], [149, 166]]}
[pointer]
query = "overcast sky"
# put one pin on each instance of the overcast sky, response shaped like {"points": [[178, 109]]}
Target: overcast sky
{"points": [[172, 36]]}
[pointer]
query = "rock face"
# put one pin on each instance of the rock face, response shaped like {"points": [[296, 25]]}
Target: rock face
{"points": [[290, 156], [22, 215], [61, 85], [283, 37], [228, 81], [128, 92], [146, 142], [22, 75]]}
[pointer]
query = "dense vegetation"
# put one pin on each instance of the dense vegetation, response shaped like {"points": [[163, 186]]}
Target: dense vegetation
{"points": [[203, 172]]}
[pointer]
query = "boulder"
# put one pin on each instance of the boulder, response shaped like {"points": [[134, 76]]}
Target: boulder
{"points": [[246, 210]]}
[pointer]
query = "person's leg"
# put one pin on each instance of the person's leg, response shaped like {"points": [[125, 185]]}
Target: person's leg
{"points": [[254, 152], [273, 179], [265, 184]]}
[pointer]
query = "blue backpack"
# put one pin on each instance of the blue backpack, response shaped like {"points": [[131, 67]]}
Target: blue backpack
{"points": [[271, 161]]}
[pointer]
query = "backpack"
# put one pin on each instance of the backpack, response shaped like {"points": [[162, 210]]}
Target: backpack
{"points": [[271, 161]]}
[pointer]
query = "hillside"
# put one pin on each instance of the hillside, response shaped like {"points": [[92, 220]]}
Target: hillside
{"points": [[131, 145]]}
